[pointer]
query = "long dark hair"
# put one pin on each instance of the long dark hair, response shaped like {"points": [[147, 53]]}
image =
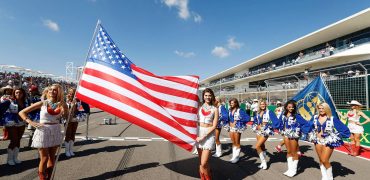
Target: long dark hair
{"points": [[208, 90], [292, 102], [235, 101], [24, 95]]}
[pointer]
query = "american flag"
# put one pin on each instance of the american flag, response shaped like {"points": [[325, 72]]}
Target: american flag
{"points": [[164, 105]]}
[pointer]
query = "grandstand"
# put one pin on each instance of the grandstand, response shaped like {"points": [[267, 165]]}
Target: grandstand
{"points": [[16, 76], [339, 52]]}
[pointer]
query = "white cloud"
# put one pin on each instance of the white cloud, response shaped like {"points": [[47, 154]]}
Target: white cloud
{"points": [[51, 25], [220, 52], [185, 54], [232, 44], [183, 9], [197, 17]]}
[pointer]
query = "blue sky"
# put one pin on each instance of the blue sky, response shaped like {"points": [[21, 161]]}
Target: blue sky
{"points": [[166, 37]]}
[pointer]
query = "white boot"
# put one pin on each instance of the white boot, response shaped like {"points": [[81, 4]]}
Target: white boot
{"points": [[16, 152], [329, 173], [66, 148], [265, 155], [218, 151], [10, 159], [294, 168], [323, 172], [263, 161], [71, 143], [289, 161], [236, 159], [233, 154]]}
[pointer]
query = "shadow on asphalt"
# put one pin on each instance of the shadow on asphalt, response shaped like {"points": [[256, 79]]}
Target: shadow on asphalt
{"points": [[33, 163], [244, 168], [339, 170], [113, 174], [89, 152]]}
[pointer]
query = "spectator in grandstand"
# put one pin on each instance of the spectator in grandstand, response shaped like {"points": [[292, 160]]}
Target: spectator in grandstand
{"points": [[48, 135], [278, 109], [291, 127], [273, 66], [222, 121], [322, 53], [355, 126], [248, 107], [350, 73], [14, 126], [236, 125], [263, 124], [351, 45], [326, 132], [6, 93], [331, 50], [300, 56], [289, 85], [254, 106], [11, 83], [357, 72], [205, 141]]}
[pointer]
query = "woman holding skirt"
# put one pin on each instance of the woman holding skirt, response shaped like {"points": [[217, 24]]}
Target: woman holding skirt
{"points": [[48, 135]]}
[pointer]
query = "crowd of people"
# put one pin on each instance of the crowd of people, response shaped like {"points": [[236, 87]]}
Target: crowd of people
{"points": [[327, 50], [43, 106], [324, 130]]}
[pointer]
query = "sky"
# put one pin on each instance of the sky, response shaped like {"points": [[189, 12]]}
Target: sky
{"points": [[166, 37]]}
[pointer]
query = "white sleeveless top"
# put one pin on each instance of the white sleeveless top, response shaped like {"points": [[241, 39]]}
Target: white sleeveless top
{"points": [[206, 118], [354, 117], [45, 117]]}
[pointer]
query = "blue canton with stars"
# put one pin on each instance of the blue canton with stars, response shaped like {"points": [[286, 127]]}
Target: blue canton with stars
{"points": [[104, 51]]}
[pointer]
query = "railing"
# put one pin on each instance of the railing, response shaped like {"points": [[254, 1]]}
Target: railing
{"points": [[308, 57]]}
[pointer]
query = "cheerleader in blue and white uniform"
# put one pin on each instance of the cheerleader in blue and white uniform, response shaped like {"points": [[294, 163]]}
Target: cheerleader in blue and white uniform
{"points": [[326, 132], [291, 127], [237, 123], [34, 115], [14, 125], [222, 121], [265, 121]]}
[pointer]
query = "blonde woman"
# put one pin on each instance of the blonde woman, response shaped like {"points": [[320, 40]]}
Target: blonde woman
{"points": [[265, 121], [222, 120], [205, 141], [326, 132], [48, 135], [355, 126]]}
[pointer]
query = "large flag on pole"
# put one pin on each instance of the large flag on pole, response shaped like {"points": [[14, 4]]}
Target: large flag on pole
{"points": [[164, 105], [313, 94]]}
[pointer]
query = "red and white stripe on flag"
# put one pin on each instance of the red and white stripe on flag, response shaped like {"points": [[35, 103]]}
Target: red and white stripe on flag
{"points": [[166, 106]]}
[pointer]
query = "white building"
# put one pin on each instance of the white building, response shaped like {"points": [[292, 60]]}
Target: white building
{"points": [[334, 51]]}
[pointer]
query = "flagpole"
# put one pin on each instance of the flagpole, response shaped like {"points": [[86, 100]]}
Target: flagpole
{"points": [[69, 114]]}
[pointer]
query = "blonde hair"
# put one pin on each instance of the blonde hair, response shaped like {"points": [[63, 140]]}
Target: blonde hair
{"points": [[358, 109], [326, 107], [44, 93], [60, 95], [74, 92], [259, 105]]}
